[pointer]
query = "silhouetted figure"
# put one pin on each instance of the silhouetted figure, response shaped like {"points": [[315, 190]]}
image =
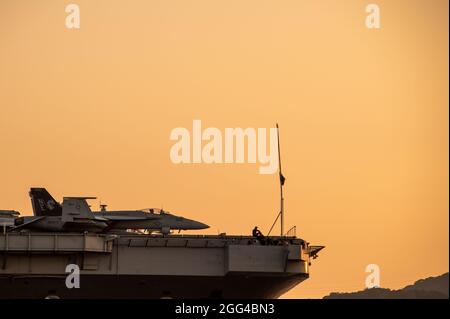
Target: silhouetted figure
{"points": [[257, 233]]}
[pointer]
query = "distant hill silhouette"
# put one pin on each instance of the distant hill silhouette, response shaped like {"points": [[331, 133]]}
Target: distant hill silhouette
{"points": [[429, 288]]}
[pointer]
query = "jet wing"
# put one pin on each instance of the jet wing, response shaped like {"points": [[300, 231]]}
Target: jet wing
{"points": [[128, 218], [28, 223]]}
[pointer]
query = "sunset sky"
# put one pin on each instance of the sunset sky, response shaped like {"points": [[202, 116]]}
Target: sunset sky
{"points": [[363, 116]]}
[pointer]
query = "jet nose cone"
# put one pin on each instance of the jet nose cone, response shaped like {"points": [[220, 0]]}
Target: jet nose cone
{"points": [[202, 226], [198, 225]]}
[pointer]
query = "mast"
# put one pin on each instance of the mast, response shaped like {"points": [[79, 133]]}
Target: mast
{"points": [[282, 179]]}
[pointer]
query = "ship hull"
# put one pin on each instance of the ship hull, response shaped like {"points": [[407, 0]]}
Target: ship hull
{"points": [[130, 266], [149, 287]]}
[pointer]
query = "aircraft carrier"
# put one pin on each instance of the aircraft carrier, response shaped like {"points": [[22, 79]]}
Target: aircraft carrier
{"points": [[135, 254], [33, 265]]}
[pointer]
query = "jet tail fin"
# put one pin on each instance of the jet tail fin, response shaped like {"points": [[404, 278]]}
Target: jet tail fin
{"points": [[43, 203], [76, 207]]}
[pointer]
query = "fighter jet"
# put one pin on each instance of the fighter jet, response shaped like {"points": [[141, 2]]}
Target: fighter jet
{"points": [[7, 218], [76, 213], [150, 219]]}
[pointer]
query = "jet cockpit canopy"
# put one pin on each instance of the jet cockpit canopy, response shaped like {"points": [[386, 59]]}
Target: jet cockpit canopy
{"points": [[158, 211]]}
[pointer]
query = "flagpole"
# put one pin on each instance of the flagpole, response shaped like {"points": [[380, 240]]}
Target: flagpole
{"points": [[281, 184]]}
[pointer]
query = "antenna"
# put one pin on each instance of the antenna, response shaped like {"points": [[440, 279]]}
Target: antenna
{"points": [[282, 180], [102, 206]]}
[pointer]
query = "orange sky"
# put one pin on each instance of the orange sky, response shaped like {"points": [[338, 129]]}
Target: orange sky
{"points": [[363, 116]]}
